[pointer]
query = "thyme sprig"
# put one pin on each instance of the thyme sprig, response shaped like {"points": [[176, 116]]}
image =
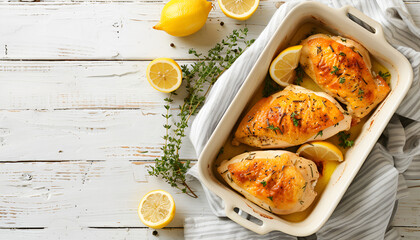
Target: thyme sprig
{"points": [[198, 78]]}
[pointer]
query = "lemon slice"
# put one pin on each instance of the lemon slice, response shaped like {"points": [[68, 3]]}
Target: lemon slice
{"points": [[164, 74], [282, 69], [238, 9], [157, 209], [320, 151]]}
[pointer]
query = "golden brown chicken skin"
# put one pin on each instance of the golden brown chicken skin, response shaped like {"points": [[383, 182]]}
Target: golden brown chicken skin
{"points": [[279, 181], [290, 117], [341, 67]]}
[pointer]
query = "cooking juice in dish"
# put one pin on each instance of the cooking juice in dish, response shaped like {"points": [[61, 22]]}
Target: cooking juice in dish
{"points": [[325, 168]]}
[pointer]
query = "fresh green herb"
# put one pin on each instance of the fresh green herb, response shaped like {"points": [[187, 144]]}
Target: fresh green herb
{"points": [[318, 50], [361, 92], [144, 152], [304, 187], [344, 140], [271, 127], [198, 78], [270, 86], [335, 70], [271, 198], [342, 79], [295, 120], [264, 183], [384, 75], [319, 134], [342, 54], [299, 75], [343, 40]]}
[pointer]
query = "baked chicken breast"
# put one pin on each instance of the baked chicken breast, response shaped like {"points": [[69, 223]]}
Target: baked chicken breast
{"points": [[279, 181], [291, 117], [342, 68]]}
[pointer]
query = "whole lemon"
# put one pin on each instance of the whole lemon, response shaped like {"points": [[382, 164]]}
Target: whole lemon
{"points": [[183, 17]]}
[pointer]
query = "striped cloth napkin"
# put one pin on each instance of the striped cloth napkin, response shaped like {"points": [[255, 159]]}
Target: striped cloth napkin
{"points": [[367, 207]]}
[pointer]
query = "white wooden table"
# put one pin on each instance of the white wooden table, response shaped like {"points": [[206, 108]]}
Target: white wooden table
{"points": [[79, 122]]}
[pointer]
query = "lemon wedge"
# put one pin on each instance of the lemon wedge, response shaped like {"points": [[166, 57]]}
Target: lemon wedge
{"points": [[157, 209], [164, 74], [320, 151], [238, 9], [282, 69], [183, 17]]}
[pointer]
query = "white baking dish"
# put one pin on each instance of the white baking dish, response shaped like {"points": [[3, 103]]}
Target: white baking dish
{"points": [[336, 20]]}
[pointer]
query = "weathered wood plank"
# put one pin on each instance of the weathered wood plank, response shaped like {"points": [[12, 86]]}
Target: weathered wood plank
{"points": [[104, 194], [84, 135], [84, 194], [107, 31], [406, 233], [72, 233], [112, 30], [408, 212], [77, 84], [409, 233]]}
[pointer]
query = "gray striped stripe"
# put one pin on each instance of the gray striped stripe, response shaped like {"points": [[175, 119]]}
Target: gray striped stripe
{"points": [[367, 206]]}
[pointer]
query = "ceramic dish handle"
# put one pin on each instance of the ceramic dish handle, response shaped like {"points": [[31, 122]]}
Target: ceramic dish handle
{"points": [[359, 18], [230, 213]]}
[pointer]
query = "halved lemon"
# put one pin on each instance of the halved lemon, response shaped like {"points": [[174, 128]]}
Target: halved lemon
{"points": [[320, 151], [157, 209], [164, 74], [238, 9], [282, 69]]}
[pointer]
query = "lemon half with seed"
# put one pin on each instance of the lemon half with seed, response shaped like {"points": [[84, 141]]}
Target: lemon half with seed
{"points": [[238, 9], [282, 69], [164, 74], [157, 209], [320, 151]]}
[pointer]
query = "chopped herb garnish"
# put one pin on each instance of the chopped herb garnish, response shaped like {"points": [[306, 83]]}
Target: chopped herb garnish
{"points": [[342, 54], [343, 40], [271, 127], [299, 75], [301, 202], [361, 92], [295, 121], [318, 50], [271, 198], [332, 50], [344, 140], [144, 152], [335, 70], [342, 79], [384, 75], [264, 183], [319, 134], [304, 187]]}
